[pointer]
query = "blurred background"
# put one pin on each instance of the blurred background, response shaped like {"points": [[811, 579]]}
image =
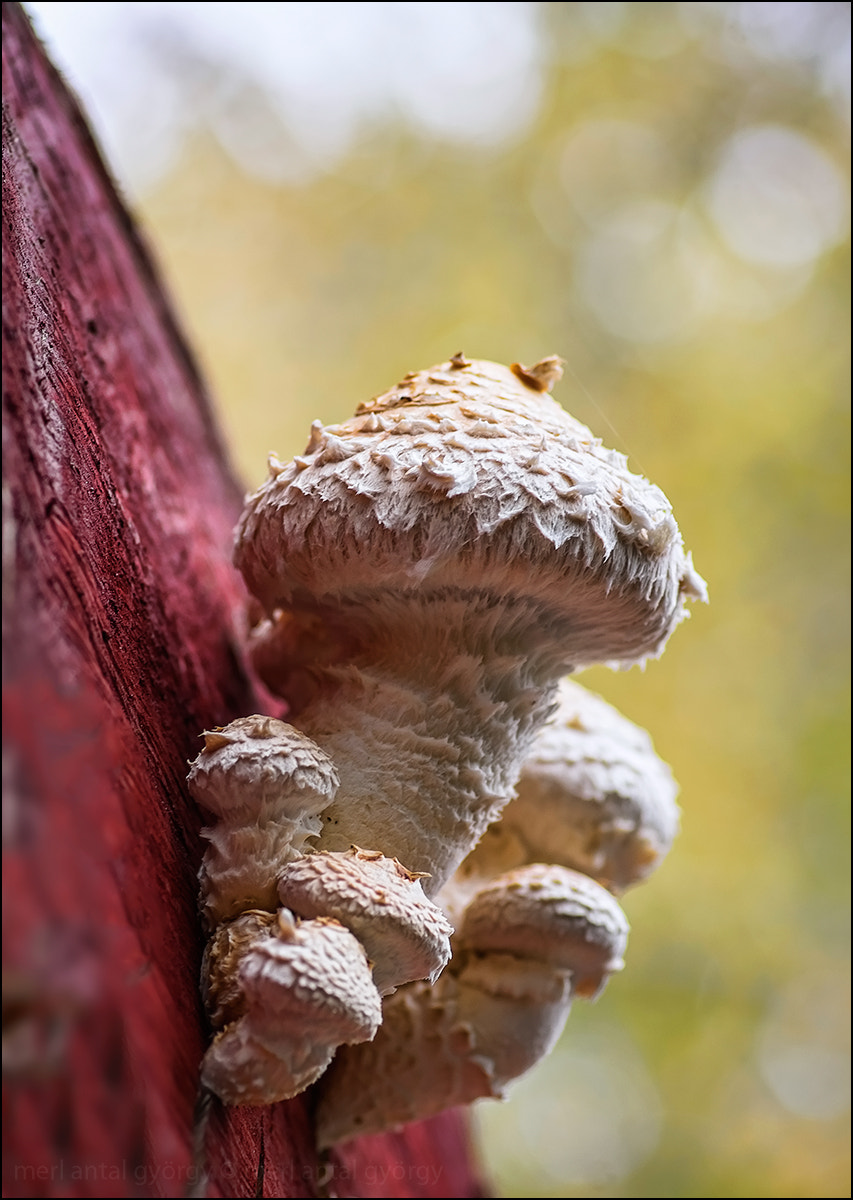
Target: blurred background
{"points": [[340, 193]]}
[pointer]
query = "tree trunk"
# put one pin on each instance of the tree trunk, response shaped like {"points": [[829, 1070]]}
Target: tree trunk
{"points": [[121, 642]]}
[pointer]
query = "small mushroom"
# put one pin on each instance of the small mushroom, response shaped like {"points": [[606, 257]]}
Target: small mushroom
{"points": [[302, 989], [592, 795], [267, 784], [530, 942], [552, 915], [405, 935]]}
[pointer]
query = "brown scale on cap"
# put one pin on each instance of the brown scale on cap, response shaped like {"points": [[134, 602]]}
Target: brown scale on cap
{"points": [[542, 376]]}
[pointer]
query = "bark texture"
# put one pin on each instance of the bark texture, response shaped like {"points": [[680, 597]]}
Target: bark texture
{"points": [[122, 620]]}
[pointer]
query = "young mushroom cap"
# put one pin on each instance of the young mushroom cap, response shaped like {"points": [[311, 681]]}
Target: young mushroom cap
{"points": [[552, 915], [263, 767], [405, 935], [306, 988], [592, 795], [529, 944], [464, 479], [268, 783]]}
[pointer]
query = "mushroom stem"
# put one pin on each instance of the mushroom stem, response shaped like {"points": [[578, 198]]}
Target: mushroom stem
{"points": [[428, 739]]}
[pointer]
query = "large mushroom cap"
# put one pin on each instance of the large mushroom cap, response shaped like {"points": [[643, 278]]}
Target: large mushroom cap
{"points": [[467, 478]]}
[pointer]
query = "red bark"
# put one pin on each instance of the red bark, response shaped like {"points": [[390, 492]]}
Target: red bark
{"points": [[121, 619]]}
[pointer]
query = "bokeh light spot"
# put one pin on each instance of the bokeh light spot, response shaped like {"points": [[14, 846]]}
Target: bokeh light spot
{"points": [[776, 197], [803, 1047], [648, 273], [605, 161], [606, 1122]]}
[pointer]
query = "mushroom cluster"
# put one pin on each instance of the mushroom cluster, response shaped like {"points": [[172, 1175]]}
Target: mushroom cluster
{"points": [[430, 571]]}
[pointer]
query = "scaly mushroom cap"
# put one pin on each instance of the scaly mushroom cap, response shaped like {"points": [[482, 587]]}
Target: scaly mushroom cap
{"points": [[405, 935], [268, 783], [467, 479], [594, 793], [551, 915], [262, 766], [306, 988]]}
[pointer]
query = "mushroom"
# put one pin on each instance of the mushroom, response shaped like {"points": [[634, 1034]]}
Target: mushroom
{"points": [[592, 795], [429, 570], [376, 898], [552, 915], [312, 977], [530, 942], [267, 784]]}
